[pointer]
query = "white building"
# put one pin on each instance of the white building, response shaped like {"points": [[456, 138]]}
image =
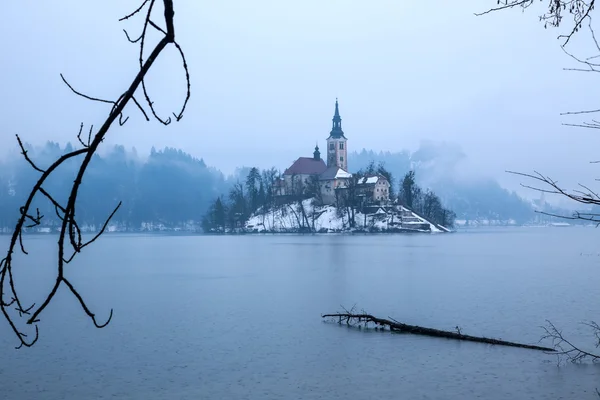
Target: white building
{"points": [[375, 187]]}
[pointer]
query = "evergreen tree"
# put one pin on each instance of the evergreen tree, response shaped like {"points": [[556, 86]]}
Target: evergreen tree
{"points": [[252, 188], [407, 190], [381, 170]]}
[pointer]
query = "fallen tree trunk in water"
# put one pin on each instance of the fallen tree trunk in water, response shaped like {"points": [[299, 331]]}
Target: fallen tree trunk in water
{"points": [[395, 326]]}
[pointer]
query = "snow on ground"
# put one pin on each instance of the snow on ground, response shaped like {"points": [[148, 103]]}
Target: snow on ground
{"points": [[291, 218]]}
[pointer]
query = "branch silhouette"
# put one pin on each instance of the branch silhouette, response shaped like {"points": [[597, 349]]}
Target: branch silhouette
{"points": [[16, 314], [553, 15], [580, 12]]}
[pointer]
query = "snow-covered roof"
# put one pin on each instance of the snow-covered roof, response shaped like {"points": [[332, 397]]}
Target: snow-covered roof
{"points": [[370, 179], [332, 173], [342, 174]]}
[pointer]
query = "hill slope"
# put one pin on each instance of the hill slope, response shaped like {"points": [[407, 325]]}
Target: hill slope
{"points": [[306, 217]]}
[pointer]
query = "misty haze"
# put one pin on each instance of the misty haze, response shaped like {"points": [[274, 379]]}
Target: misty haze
{"points": [[283, 200]]}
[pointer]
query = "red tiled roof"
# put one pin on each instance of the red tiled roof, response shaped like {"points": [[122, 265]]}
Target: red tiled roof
{"points": [[306, 166]]}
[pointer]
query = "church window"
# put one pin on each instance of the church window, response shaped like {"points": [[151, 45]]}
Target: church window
{"points": [[341, 146], [331, 146], [341, 159]]}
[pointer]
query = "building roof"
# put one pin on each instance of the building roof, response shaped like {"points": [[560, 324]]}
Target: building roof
{"points": [[334, 172], [370, 179], [306, 166]]}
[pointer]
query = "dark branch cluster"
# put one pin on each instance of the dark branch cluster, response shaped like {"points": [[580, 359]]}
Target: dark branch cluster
{"points": [[70, 236], [566, 349], [169, 34], [554, 15], [362, 319], [583, 195], [556, 10]]}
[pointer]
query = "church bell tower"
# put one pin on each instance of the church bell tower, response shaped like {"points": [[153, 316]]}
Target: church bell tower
{"points": [[337, 150]]}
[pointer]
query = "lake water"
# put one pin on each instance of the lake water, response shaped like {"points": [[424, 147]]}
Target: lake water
{"points": [[206, 317]]}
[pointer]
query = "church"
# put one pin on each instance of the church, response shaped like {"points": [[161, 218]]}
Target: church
{"points": [[312, 173]]}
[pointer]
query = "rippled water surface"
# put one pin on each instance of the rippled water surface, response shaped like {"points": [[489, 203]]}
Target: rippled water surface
{"points": [[199, 317]]}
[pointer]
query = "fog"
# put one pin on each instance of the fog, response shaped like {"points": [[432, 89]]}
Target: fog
{"points": [[265, 76]]}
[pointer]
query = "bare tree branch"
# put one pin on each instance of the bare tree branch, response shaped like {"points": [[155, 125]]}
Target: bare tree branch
{"points": [[24, 153], [362, 319], [130, 39], [70, 231], [580, 112], [85, 96], [140, 108], [522, 3], [135, 12], [102, 229], [555, 11], [578, 196], [566, 348]]}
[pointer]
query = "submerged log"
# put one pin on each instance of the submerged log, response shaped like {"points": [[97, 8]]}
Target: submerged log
{"points": [[395, 326]]}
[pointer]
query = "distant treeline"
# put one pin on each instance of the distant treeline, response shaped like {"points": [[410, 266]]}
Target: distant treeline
{"points": [[231, 211], [471, 199], [169, 187], [172, 188]]}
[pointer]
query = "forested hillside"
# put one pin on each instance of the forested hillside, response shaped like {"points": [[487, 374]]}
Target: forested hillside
{"points": [[434, 165], [167, 187]]}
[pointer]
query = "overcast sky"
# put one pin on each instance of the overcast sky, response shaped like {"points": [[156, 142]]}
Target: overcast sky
{"points": [[265, 75]]}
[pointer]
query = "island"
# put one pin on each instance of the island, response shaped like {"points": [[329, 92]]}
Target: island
{"points": [[314, 196]]}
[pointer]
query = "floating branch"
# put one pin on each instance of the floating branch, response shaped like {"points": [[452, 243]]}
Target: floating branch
{"points": [[395, 326]]}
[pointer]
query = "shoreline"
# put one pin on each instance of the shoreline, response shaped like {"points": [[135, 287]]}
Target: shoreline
{"points": [[240, 233]]}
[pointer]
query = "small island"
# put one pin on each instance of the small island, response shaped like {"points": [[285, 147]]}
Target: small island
{"points": [[314, 196]]}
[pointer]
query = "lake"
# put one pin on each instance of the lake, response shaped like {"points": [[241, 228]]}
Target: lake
{"points": [[238, 317]]}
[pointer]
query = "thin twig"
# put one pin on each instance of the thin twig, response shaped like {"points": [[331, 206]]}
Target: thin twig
{"points": [[85, 96], [491, 10], [135, 12], [106, 222], [24, 153]]}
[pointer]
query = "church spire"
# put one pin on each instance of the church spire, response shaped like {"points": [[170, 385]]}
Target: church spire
{"points": [[317, 153], [336, 130], [337, 150]]}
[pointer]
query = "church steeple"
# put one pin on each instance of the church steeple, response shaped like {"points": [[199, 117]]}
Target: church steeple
{"points": [[337, 150], [317, 153], [336, 130]]}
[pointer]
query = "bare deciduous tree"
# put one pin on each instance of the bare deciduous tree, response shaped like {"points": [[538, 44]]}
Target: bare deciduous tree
{"points": [[71, 241], [554, 12], [579, 14], [553, 15]]}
